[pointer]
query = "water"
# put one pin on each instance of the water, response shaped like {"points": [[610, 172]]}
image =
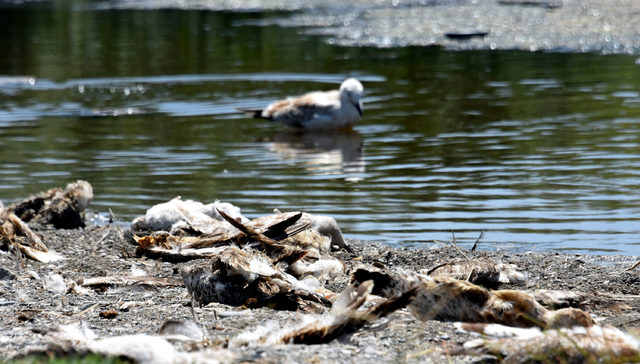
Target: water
{"points": [[539, 150]]}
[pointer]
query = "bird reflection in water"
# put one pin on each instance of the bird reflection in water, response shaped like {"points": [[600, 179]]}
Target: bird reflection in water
{"points": [[322, 152]]}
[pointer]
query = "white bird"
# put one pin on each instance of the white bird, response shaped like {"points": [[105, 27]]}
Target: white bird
{"points": [[333, 109], [178, 214]]}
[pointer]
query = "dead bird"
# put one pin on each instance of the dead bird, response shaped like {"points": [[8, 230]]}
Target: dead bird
{"points": [[491, 275], [325, 226], [78, 338], [16, 234], [481, 272], [449, 299], [193, 218], [187, 217], [348, 314], [294, 240], [595, 300], [247, 277], [12, 228], [566, 345], [284, 238], [60, 208], [287, 239]]}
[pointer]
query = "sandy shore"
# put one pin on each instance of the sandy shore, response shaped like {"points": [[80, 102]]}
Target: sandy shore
{"points": [[29, 306]]}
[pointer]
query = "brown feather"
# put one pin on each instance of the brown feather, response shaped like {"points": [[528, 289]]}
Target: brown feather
{"points": [[348, 318]]}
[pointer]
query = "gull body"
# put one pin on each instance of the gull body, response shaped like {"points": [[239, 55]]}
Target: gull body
{"points": [[448, 299], [318, 110], [596, 343]]}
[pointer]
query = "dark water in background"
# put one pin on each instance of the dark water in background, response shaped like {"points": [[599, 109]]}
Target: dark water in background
{"points": [[542, 151]]}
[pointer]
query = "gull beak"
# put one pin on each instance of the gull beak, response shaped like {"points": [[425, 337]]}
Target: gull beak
{"points": [[359, 108]]}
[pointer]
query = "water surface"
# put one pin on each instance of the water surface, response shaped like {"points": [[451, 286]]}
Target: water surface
{"points": [[540, 150]]}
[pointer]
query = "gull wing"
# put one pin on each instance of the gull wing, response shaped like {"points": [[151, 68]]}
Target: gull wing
{"points": [[298, 112]]}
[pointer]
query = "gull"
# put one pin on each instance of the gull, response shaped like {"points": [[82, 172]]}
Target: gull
{"points": [[246, 277], [596, 343], [447, 299], [178, 215], [60, 208], [317, 110]]}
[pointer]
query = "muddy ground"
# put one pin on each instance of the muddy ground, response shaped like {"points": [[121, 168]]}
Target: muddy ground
{"points": [[28, 308]]}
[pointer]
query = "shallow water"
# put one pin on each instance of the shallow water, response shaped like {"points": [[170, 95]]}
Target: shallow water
{"points": [[540, 150]]}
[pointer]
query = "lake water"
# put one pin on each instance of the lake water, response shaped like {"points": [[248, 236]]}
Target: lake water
{"points": [[539, 150]]}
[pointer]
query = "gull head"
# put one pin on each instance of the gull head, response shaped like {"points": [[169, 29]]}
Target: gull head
{"points": [[352, 89]]}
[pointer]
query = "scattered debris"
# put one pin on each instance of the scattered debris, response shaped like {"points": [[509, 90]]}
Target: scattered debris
{"points": [[54, 283], [181, 330], [27, 314], [108, 314], [6, 274], [128, 281], [466, 35], [546, 4]]}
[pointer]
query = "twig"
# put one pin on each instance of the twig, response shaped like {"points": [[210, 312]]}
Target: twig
{"points": [[436, 267], [473, 248], [19, 258], [453, 243], [195, 317], [634, 267], [104, 236], [96, 246], [116, 222], [471, 274], [125, 253], [81, 313], [421, 353]]}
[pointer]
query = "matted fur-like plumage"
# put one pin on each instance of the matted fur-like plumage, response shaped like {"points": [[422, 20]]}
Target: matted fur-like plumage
{"points": [[60, 208], [595, 344], [444, 298], [247, 277]]}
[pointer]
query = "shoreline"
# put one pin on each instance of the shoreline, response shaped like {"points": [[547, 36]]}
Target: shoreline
{"points": [[29, 307]]}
